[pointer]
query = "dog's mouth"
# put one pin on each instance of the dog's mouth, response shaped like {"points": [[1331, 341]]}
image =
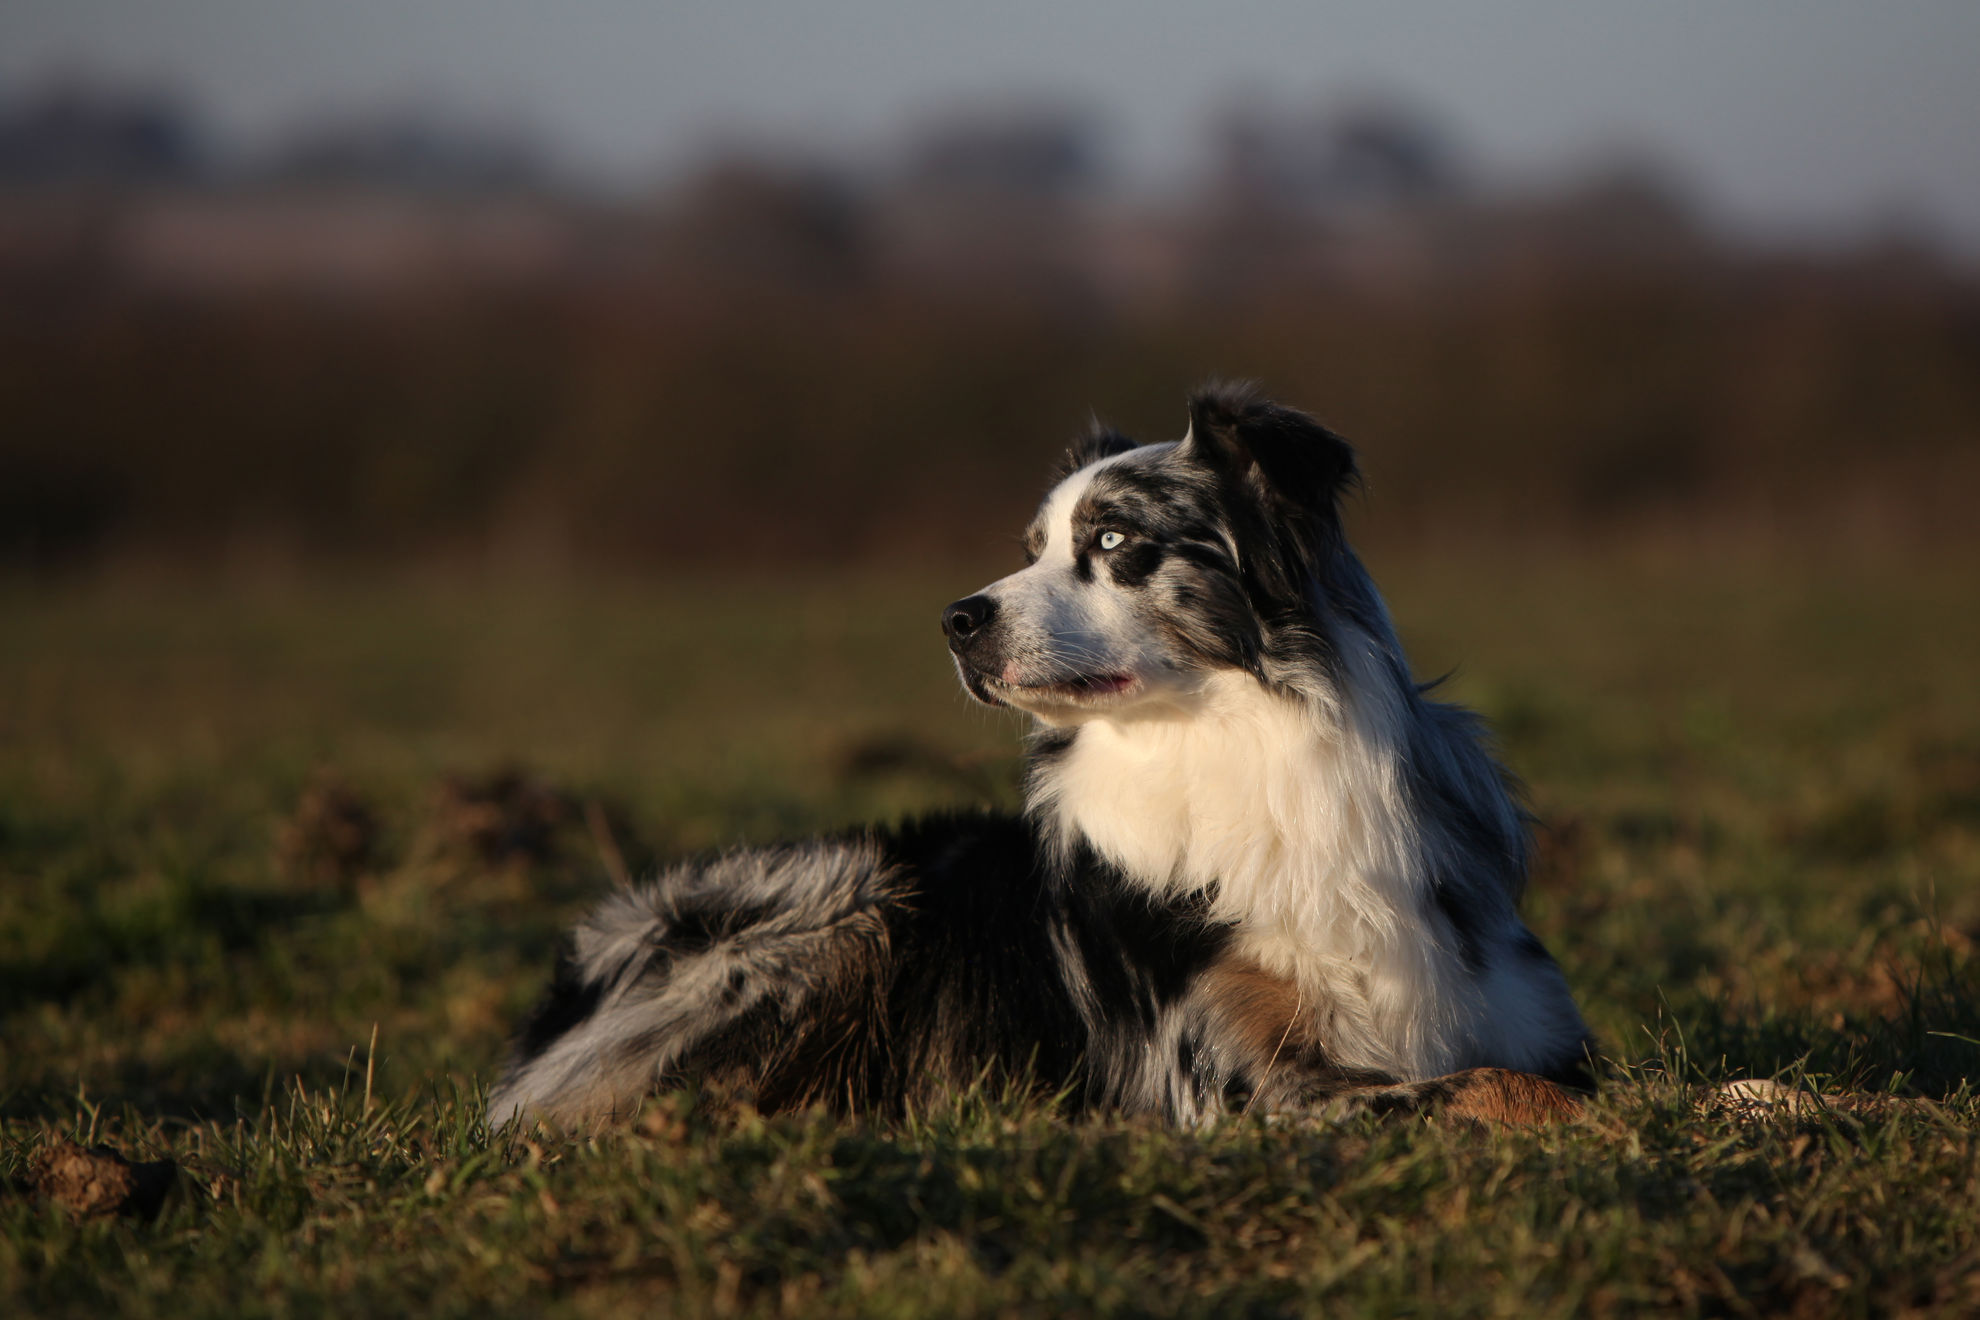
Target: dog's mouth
{"points": [[1077, 690], [1081, 687]]}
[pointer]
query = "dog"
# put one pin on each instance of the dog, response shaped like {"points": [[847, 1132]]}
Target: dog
{"points": [[1259, 869]]}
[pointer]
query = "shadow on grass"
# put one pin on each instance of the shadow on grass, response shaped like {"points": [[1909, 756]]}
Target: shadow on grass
{"points": [[1929, 1047], [187, 921], [199, 1080]]}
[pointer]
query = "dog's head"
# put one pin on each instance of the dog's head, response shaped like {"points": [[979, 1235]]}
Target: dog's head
{"points": [[1152, 565]]}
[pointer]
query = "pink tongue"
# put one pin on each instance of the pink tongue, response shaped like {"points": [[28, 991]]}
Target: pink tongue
{"points": [[1011, 675]]}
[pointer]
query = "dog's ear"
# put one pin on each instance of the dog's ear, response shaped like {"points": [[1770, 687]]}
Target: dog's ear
{"points": [[1291, 461], [1099, 442]]}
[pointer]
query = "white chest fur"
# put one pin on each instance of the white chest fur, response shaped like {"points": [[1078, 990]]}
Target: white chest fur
{"points": [[1298, 812]]}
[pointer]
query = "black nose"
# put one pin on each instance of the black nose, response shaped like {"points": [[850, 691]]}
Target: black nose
{"points": [[966, 618]]}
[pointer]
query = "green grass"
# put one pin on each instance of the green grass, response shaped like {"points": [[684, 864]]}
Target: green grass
{"points": [[1761, 789]]}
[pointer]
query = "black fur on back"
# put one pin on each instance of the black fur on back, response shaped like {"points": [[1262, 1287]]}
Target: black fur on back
{"points": [[994, 963]]}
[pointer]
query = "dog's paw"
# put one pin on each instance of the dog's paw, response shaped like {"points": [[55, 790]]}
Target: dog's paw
{"points": [[1506, 1098]]}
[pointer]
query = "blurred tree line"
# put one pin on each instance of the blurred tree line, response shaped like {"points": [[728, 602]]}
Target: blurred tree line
{"points": [[389, 341]]}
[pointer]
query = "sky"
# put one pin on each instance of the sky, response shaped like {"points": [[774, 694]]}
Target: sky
{"points": [[1797, 118]]}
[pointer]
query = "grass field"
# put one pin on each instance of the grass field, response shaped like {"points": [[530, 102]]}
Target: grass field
{"points": [[244, 827]]}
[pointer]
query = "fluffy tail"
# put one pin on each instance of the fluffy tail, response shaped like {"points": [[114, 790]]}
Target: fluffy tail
{"points": [[785, 947]]}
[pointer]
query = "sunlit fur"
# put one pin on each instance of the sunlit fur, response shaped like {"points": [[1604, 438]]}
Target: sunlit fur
{"points": [[1259, 867]]}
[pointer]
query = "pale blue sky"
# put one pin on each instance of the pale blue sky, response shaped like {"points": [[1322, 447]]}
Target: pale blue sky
{"points": [[1807, 116]]}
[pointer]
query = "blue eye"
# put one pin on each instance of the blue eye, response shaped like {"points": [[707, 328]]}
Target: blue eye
{"points": [[1108, 540]]}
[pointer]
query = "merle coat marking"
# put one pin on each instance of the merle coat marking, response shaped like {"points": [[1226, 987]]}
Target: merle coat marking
{"points": [[1259, 870]]}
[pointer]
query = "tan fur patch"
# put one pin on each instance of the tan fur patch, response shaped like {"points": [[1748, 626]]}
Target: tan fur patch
{"points": [[1260, 1009], [1514, 1099]]}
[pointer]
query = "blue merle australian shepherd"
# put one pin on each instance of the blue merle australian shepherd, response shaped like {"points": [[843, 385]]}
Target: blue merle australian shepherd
{"points": [[1258, 870]]}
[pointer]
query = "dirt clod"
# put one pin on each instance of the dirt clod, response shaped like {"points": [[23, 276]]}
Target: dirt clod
{"points": [[331, 837], [97, 1180], [508, 816]]}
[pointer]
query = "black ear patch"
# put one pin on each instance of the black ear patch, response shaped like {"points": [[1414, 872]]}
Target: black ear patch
{"points": [[1292, 461], [1099, 442]]}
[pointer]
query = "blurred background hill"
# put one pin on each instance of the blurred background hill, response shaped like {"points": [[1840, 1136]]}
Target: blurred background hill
{"points": [[386, 328]]}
